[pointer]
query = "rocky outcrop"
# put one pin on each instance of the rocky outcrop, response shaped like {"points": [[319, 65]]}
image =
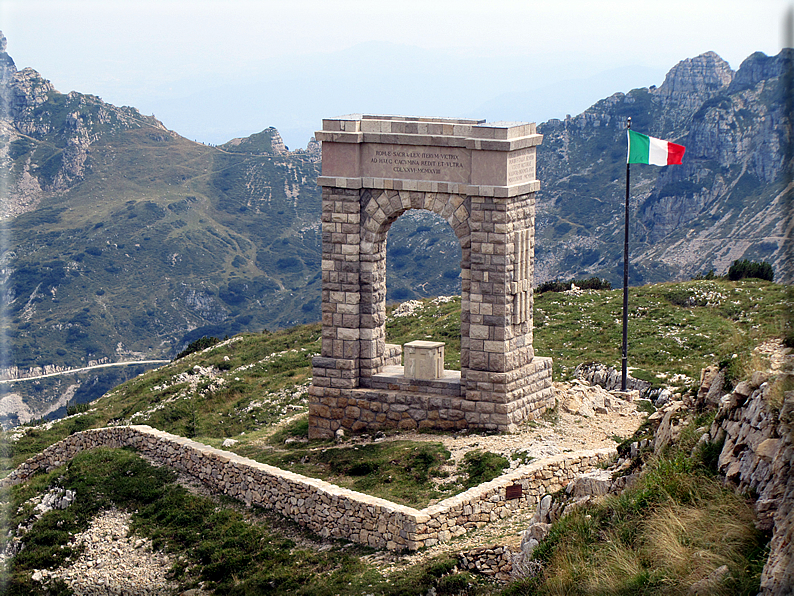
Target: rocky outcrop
{"points": [[735, 145], [7, 66], [315, 150], [690, 83], [277, 143], [608, 377], [33, 113], [588, 400], [757, 431], [735, 131]]}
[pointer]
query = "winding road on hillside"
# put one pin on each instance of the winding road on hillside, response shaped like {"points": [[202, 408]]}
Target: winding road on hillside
{"points": [[72, 371]]}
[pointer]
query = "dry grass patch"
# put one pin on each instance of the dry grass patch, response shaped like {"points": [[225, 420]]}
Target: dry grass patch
{"points": [[675, 528]]}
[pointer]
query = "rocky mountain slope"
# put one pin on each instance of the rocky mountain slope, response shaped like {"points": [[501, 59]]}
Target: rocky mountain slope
{"points": [[724, 203]]}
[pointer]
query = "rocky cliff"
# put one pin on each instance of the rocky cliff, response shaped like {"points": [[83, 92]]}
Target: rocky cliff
{"points": [[724, 203], [47, 136]]}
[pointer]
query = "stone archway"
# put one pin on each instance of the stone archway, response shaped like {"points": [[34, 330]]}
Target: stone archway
{"points": [[481, 179], [380, 208]]}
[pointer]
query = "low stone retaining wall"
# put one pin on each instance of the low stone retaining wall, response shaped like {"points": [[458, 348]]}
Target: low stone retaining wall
{"points": [[493, 561], [323, 507]]}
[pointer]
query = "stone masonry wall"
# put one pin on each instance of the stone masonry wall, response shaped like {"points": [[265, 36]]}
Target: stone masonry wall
{"points": [[323, 507], [400, 405], [481, 179]]}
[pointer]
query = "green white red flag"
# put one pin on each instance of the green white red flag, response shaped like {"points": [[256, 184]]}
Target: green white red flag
{"points": [[656, 152]]}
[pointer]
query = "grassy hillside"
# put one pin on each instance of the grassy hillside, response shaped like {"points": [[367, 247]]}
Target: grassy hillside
{"points": [[146, 249], [245, 386], [248, 382]]}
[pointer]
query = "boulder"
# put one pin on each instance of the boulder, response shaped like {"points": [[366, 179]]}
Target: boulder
{"points": [[595, 483]]}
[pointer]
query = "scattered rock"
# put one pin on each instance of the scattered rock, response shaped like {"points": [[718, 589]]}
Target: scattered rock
{"points": [[110, 562], [588, 400], [607, 377], [708, 584]]}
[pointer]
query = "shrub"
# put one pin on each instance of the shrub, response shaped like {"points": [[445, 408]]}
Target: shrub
{"points": [[710, 274], [483, 466], [198, 345], [73, 409], [592, 283], [742, 269]]}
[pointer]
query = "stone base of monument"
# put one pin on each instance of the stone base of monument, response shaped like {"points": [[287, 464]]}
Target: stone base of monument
{"points": [[393, 401]]}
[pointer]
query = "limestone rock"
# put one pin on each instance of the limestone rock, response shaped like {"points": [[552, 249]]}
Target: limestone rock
{"points": [[709, 584], [588, 400], [595, 483], [607, 377], [670, 426]]}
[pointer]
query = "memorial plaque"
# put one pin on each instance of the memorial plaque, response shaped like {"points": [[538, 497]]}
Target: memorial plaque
{"points": [[521, 166], [513, 492]]}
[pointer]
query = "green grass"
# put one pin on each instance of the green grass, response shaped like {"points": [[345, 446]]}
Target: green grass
{"points": [[400, 471], [665, 337], [262, 373], [434, 320], [483, 466], [263, 379]]}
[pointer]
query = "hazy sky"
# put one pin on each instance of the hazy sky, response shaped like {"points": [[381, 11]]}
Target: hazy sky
{"points": [[196, 64]]}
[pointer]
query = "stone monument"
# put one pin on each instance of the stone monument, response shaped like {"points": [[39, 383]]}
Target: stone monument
{"points": [[480, 178]]}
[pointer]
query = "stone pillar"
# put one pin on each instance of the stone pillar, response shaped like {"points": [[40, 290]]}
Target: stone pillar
{"points": [[481, 179]]}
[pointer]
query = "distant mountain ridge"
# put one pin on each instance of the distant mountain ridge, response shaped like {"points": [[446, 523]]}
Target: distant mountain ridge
{"points": [[123, 240]]}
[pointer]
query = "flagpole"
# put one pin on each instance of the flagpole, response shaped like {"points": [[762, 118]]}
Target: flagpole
{"points": [[624, 362]]}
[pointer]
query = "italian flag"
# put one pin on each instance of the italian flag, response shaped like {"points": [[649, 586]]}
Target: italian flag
{"points": [[656, 152]]}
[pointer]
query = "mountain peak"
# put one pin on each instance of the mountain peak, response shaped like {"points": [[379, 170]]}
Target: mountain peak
{"points": [[758, 66], [690, 83], [704, 74], [7, 66]]}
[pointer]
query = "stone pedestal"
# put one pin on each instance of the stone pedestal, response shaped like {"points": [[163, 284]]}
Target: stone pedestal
{"points": [[424, 360], [479, 177]]}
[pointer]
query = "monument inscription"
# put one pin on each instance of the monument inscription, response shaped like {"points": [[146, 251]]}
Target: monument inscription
{"points": [[521, 166], [448, 164]]}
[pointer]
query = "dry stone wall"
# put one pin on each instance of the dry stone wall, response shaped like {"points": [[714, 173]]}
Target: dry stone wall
{"points": [[323, 507]]}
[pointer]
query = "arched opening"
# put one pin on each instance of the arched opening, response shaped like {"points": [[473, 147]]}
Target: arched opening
{"points": [[379, 211], [422, 258]]}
